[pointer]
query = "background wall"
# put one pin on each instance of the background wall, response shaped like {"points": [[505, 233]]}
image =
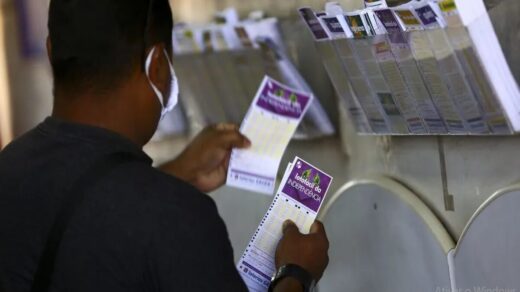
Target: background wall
{"points": [[5, 98], [29, 78]]}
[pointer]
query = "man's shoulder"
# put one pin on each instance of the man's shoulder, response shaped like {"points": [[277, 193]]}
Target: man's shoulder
{"points": [[23, 144], [143, 183], [138, 203]]}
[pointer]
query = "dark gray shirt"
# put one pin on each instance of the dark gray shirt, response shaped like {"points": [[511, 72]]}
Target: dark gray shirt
{"points": [[137, 230]]}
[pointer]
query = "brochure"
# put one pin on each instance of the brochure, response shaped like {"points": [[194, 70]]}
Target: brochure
{"points": [[362, 49], [338, 74], [490, 78], [451, 70], [393, 76], [432, 77]]}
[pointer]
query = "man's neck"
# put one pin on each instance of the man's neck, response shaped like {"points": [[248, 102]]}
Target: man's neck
{"points": [[96, 112]]}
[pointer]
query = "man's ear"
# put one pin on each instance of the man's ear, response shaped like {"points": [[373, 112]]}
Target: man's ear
{"points": [[159, 68], [49, 49]]}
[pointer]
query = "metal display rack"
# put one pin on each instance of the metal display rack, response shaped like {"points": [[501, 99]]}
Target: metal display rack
{"points": [[430, 81]]}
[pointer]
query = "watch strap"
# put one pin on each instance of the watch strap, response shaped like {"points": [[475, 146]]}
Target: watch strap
{"points": [[295, 272]]}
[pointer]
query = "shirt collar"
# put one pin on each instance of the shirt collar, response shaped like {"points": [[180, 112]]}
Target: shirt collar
{"points": [[107, 140]]}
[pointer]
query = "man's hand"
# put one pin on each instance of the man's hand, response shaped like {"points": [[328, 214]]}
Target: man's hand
{"points": [[307, 251], [204, 163]]}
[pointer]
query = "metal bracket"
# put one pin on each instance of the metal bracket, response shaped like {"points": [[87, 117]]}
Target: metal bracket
{"points": [[449, 202]]}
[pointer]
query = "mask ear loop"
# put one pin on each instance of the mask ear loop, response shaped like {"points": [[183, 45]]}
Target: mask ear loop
{"points": [[174, 83], [148, 63]]}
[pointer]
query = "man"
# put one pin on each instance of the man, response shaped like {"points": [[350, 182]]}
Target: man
{"points": [[81, 208]]}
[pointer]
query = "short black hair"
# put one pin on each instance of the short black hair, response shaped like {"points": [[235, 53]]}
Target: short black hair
{"points": [[96, 44]]}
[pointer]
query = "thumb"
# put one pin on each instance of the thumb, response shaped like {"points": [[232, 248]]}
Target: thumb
{"points": [[289, 228], [317, 228], [234, 139]]}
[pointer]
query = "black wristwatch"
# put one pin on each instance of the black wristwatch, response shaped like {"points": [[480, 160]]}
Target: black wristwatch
{"points": [[295, 272]]}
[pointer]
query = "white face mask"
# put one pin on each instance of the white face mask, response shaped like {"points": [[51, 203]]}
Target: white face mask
{"points": [[174, 91]]}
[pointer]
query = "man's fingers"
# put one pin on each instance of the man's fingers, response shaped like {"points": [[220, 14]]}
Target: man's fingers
{"points": [[289, 227], [226, 162], [229, 136], [234, 139], [317, 229], [226, 127]]}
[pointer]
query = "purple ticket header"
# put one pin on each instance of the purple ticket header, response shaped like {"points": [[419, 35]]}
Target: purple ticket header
{"points": [[314, 24], [281, 100], [388, 20], [333, 24], [391, 24], [307, 185], [427, 15]]}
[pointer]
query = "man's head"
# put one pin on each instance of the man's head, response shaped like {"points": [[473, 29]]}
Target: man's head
{"points": [[98, 50]]}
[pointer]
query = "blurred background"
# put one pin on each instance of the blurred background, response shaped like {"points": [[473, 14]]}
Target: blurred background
{"points": [[26, 69], [451, 176]]}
